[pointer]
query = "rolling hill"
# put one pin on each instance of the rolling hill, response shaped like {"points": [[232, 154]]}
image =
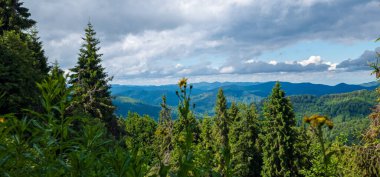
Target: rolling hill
{"points": [[146, 99]]}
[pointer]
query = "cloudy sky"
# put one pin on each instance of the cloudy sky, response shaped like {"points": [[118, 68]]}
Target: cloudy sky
{"points": [[158, 41]]}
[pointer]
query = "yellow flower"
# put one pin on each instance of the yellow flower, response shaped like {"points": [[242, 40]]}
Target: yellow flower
{"points": [[182, 82], [329, 124], [307, 119], [318, 120], [321, 119], [2, 119]]}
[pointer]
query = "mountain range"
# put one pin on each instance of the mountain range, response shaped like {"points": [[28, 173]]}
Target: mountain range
{"points": [[146, 99]]}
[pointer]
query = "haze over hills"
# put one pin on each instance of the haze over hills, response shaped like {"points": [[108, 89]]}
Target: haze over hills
{"points": [[146, 99]]}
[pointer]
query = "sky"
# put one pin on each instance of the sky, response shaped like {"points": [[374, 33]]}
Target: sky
{"points": [[156, 42]]}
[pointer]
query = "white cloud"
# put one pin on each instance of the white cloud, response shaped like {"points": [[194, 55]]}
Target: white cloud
{"points": [[150, 38], [227, 69], [312, 60], [272, 62]]}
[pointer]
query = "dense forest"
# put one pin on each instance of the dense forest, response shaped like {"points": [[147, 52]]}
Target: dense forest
{"points": [[52, 124]]}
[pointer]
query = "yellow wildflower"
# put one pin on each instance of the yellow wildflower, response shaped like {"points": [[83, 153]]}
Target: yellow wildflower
{"points": [[2, 119], [182, 82], [321, 119], [329, 124]]}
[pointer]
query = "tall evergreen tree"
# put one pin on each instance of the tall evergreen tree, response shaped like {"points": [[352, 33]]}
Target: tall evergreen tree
{"points": [[39, 58], [90, 83], [205, 148], [279, 136], [244, 135], [222, 130], [17, 75], [20, 75], [13, 16], [233, 112]]}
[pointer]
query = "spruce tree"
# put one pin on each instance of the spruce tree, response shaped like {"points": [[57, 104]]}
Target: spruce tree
{"points": [[279, 136], [17, 75], [90, 83], [222, 130], [233, 112], [205, 148], [244, 136], [13, 16], [39, 58], [22, 60]]}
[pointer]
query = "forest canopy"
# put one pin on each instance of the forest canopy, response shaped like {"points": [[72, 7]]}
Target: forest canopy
{"points": [[52, 124]]}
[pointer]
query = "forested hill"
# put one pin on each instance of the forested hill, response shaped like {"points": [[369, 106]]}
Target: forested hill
{"points": [[306, 97]]}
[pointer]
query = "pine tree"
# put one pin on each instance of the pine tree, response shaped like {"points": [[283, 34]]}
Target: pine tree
{"points": [[233, 112], [90, 83], [22, 61], [205, 148], [279, 136], [39, 58], [14, 17], [17, 75], [222, 129], [244, 135]]}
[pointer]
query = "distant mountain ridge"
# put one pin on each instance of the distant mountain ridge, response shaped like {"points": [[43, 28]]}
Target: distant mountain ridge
{"points": [[146, 99]]}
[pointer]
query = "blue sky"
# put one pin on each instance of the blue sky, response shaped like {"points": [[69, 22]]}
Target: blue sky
{"points": [[158, 42]]}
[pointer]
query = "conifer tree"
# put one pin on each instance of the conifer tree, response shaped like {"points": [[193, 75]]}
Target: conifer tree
{"points": [[222, 129], [279, 136], [40, 60], [14, 17], [20, 75], [90, 83], [244, 135], [205, 148], [233, 112], [17, 75]]}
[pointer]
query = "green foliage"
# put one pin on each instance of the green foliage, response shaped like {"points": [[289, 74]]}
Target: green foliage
{"points": [[184, 129], [279, 136], [90, 84], [316, 126], [14, 16], [223, 154], [246, 158], [50, 129], [204, 161], [164, 134], [17, 74], [22, 60], [140, 132]]}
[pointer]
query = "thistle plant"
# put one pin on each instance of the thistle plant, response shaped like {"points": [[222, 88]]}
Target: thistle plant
{"points": [[317, 123]]}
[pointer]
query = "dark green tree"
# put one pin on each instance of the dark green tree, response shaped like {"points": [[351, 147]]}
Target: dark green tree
{"points": [[90, 83], [222, 142], [14, 17], [39, 58], [279, 136], [140, 132], [17, 75], [246, 158], [233, 112], [205, 148], [22, 65]]}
